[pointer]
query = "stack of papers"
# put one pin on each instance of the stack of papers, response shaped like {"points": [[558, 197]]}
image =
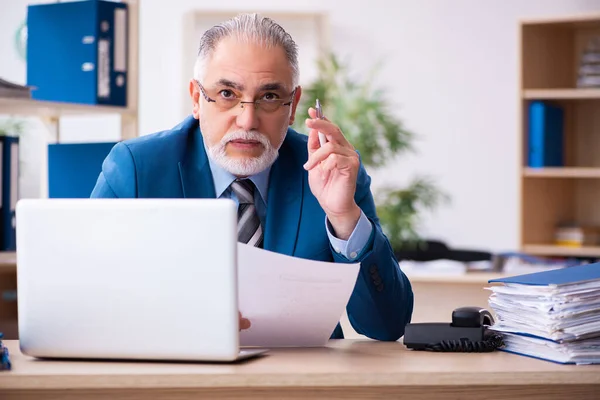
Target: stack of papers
{"points": [[552, 315]]}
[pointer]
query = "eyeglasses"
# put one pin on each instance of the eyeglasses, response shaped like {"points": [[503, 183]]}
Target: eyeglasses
{"points": [[225, 103]]}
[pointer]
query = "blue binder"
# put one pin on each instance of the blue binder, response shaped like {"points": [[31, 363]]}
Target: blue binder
{"points": [[73, 168], [560, 276], [77, 52], [9, 164], [546, 125]]}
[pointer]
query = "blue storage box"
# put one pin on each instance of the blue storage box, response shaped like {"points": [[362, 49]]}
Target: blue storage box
{"points": [[73, 168], [77, 52]]}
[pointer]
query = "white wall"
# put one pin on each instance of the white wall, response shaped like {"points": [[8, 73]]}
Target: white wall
{"points": [[451, 69]]}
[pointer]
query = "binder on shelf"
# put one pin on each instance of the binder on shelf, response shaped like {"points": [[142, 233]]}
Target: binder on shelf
{"points": [[9, 191], [77, 52], [73, 168], [552, 315], [546, 135]]}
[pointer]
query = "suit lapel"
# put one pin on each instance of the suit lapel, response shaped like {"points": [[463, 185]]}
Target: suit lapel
{"points": [[284, 203], [194, 170]]}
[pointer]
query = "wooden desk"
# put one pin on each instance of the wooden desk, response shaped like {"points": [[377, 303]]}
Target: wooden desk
{"points": [[344, 369]]}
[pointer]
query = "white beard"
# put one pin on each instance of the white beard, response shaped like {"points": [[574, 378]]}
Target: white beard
{"points": [[243, 166]]}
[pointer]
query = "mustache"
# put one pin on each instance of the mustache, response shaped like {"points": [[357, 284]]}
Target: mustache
{"points": [[246, 135]]}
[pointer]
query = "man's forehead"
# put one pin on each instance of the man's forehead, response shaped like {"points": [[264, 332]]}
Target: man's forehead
{"points": [[241, 63]]}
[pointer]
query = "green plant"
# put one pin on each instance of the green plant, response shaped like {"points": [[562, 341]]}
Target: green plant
{"points": [[399, 210], [12, 127], [365, 116]]}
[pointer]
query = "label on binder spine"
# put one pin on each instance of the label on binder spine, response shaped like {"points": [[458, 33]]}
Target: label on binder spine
{"points": [[103, 68], [120, 50]]}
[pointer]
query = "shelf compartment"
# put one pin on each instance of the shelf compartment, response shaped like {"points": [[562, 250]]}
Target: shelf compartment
{"points": [[549, 202], [581, 133], [551, 51]]}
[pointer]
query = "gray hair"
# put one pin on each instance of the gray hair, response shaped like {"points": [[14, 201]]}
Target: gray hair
{"points": [[247, 27]]}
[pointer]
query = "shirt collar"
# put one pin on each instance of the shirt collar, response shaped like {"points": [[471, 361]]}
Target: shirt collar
{"points": [[223, 179]]}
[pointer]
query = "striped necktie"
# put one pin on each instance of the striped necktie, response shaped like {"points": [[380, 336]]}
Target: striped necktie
{"points": [[249, 229]]}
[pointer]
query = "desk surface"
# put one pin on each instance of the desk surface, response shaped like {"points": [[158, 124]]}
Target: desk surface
{"points": [[349, 364]]}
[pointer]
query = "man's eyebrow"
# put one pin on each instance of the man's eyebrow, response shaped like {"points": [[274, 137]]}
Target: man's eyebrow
{"points": [[271, 86], [230, 84]]}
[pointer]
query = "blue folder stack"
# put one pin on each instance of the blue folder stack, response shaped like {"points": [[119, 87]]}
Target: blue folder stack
{"points": [[552, 315]]}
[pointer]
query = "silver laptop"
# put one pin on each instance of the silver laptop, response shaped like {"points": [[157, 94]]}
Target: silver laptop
{"points": [[152, 279]]}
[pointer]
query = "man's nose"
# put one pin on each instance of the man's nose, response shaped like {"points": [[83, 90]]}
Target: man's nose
{"points": [[247, 118]]}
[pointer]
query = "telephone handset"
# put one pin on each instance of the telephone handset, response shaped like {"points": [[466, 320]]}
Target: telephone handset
{"points": [[466, 333]]}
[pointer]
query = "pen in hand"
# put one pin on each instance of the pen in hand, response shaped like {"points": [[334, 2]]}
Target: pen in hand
{"points": [[322, 137]]}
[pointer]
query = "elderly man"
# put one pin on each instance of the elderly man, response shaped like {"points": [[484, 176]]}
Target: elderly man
{"points": [[295, 196]]}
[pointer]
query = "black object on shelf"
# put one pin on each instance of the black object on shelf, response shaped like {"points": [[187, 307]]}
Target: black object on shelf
{"points": [[430, 250]]}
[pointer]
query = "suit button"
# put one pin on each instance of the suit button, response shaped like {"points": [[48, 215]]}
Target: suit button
{"points": [[377, 281], [373, 269], [380, 288]]}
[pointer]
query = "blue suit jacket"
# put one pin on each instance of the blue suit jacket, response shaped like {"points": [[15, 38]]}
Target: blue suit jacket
{"points": [[174, 164]]}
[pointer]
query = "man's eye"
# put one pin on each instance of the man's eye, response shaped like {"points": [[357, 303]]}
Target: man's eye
{"points": [[270, 96], [227, 94]]}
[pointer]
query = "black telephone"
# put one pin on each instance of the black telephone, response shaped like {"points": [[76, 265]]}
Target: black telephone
{"points": [[467, 333]]}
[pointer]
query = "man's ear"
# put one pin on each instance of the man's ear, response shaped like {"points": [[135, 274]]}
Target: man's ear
{"points": [[295, 103], [195, 95]]}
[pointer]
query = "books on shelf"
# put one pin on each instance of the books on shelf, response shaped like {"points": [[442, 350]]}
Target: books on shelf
{"points": [[589, 66], [552, 315], [577, 236]]}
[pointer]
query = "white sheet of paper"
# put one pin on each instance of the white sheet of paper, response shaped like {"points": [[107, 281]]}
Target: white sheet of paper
{"points": [[291, 302]]}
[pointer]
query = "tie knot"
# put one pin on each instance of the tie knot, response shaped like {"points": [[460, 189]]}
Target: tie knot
{"points": [[244, 190]]}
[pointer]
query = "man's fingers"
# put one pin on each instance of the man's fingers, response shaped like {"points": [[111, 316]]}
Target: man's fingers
{"points": [[244, 322], [326, 151], [319, 155], [325, 126], [332, 131], [312, 112], [338, 161], [313, 141]]}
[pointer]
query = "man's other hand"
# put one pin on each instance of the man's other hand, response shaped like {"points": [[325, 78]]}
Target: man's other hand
{"points": [[244, 322]]}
